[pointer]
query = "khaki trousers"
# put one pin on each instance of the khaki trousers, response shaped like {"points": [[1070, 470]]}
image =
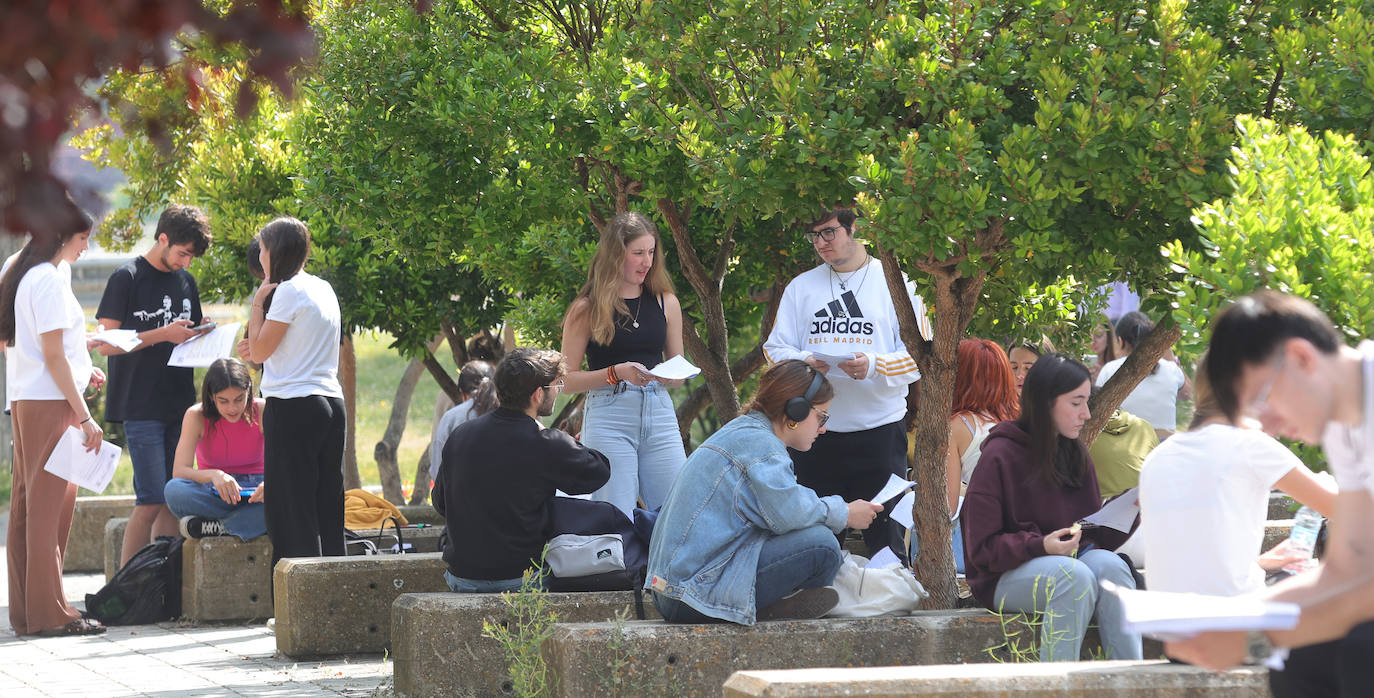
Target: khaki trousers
{"points": [[41, 507]]}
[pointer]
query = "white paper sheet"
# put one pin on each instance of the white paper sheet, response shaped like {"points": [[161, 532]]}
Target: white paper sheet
{"points": [[901, 511], [895, 486], [1174, 615], [73, 463], [203, 350], [832, 359], [124, 339], [677, 368], [958, 508], [1119, 513], [882, 559]]}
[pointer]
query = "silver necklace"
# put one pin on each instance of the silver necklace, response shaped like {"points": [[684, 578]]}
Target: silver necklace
{"points": [[844, 283], [639, 304]]}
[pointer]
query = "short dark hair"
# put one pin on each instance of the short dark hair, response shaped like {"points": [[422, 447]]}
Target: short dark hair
{"points": [[1057, 458], [843, 216], [184, 224], [522, 371], [1249, 331]]}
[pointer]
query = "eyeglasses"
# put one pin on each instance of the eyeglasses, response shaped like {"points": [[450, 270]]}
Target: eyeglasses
{"points": [[1261, 399], [826, 234], [822, 418], [557, 385]]}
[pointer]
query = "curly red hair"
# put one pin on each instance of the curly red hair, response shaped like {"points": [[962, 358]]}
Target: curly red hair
{"points": [[983, 383]]}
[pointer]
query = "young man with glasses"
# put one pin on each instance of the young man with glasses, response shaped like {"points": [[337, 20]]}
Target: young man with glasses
{"points": [[839, 317], [1277, 358], [499, 472]]}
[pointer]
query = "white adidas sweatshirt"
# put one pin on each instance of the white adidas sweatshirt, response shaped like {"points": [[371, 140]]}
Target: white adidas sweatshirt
{"points": [[816, 316]]}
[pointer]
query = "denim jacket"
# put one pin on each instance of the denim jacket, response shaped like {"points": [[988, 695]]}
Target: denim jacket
{"points": [[735, 491]]}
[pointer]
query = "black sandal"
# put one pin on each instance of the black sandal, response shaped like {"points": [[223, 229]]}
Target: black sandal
{"points": [[80, 626]]}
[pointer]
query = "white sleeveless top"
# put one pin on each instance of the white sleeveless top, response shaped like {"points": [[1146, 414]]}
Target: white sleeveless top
{"points": [[969, 459]]}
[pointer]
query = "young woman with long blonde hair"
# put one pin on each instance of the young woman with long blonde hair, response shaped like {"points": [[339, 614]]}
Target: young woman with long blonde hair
{"points": [[625, 321]]}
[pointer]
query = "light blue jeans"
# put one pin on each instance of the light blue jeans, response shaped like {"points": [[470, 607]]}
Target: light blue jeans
{"points": [[190, 498], [636, 429], [1065, 592], [462, 585]]}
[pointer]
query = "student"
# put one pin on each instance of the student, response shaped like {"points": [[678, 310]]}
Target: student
{"points": [[1278, 358], [43, 321], [984, 394], [293, 330], [155, 295], [1155, 398], [499, 474], [738, 539], [477, 396], [1033, 482], [219, 458], [1215, 478], [1103, 345], [626, 321], [1022, 356]]}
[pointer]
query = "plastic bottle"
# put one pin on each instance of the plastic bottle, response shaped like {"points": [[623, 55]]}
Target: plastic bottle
{"points": [[1307, 523]]}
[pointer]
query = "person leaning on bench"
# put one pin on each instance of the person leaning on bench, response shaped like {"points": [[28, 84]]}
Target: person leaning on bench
{"points": [[498, 475], [739, 539]]}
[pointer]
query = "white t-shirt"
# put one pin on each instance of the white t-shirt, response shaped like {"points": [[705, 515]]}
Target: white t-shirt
{"points": [[44, 303], [306, 362], [447, 423], [1155, 399], [1350, 449], [1204, 498], [816, 315]]}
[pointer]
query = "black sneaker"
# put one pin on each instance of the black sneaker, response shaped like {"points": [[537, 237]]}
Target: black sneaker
{"points": [[802, 605], [201, 527]]}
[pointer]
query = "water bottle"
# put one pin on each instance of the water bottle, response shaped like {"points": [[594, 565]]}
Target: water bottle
{"points": [[1303, 538]]}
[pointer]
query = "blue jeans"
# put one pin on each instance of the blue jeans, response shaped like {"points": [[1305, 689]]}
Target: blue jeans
{"points": [[152, 448], [190, 498], [462, 585], [957, 538], [1065, 591], [636, 429], [801, 559]]}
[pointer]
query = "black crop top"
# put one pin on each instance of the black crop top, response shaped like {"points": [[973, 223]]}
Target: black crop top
{"points": [[643, 344]]}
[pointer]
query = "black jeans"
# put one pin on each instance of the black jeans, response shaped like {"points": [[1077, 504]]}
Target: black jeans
{"points": [[856, 465], [303, 440], [1341, 668]]}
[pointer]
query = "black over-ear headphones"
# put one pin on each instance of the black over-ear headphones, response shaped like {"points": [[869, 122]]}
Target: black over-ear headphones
{"points": [[798, 408]]}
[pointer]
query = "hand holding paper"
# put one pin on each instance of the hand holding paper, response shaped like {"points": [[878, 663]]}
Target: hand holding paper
{"points": [[676, 368], [90, 469], [1120, 513], [125, 340]]}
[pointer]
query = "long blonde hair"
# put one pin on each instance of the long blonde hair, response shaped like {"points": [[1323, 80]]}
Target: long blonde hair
{"points": [[602, 289]]}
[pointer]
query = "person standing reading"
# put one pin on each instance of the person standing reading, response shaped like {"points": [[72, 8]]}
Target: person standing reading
{"points": [[155, 295], [843, 307], [293, 331]]}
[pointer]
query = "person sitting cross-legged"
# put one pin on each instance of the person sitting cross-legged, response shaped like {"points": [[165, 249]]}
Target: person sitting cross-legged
{"points": [[499, 474], [219, 458]]}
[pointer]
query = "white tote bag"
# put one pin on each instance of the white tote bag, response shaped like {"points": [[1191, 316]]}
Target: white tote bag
{"points": [[878, 591]]}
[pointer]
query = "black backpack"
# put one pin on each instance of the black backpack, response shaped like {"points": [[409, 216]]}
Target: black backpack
{"points": [[147, 589], [586, 518]]}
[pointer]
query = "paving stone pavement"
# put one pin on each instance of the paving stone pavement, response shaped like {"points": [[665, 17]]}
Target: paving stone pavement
{"points": [[168, 659]]}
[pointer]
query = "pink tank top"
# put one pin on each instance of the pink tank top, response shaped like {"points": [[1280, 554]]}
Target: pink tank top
{"points": [[234, 447]]}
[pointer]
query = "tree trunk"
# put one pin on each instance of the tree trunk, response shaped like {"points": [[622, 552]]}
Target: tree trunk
{"points": [[385, 451], [1141, 361], [696, 401], [348, 377], [956, 298]]}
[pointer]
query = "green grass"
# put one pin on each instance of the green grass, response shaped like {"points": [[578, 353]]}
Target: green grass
{"points": [[379, 370]]}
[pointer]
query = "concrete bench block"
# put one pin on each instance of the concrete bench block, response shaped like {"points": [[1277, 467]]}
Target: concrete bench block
{"points": [[437, 648], [341, 605], [656, 658], [223, 578], [425, 540], [422, 513], [1155, 679], [114, 545], [1281, 506], [86, 542]]}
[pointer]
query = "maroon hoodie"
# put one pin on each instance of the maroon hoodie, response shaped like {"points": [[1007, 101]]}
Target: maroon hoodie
{"points": [[1009, 508]]}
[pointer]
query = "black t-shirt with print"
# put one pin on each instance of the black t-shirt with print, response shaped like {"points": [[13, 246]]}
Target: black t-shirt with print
{"points": [[141, 384]]}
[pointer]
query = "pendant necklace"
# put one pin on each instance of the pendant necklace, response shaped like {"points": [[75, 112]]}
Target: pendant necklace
{"points": [[634, 323], [844, 282]]}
